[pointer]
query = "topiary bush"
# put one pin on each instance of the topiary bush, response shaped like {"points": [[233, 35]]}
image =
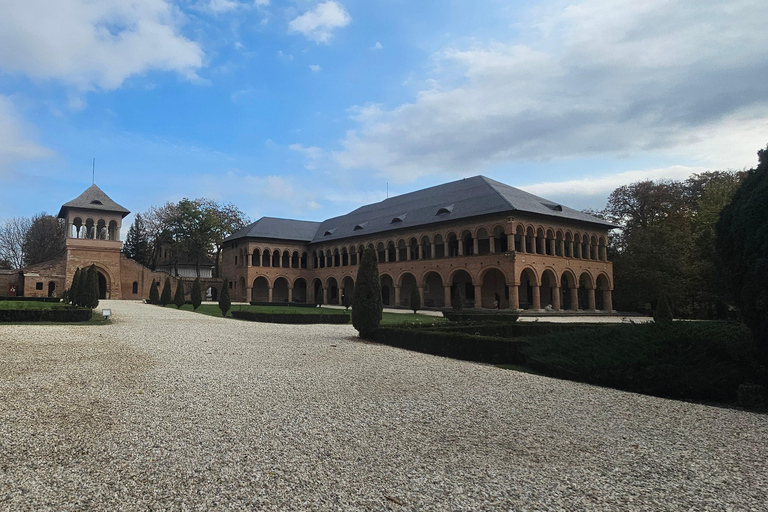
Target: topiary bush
{"points": [[165, 297], [663, 312], [224, 301], [91, 295], [74, 290], [196, 295], [457, 302], [178, 298], [154, 293], [415, 299], [367, 306]]}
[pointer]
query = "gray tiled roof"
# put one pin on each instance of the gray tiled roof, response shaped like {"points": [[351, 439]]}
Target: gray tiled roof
{"points": [[93, 199], [470, 197], [280, 229]]}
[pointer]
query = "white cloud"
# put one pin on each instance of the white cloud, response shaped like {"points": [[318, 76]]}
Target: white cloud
{"points": [[315, 67], [261, 3], [597, 78], [377, 46], [221, 6], [92, 45], [313, 154], [318, 24], [284, 56], [15, 139]]}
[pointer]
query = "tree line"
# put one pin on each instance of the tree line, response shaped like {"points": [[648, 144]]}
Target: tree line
{"points": [[26, 241]]}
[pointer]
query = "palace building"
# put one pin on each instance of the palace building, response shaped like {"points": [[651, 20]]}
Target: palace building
{"points": [[500, 246]]}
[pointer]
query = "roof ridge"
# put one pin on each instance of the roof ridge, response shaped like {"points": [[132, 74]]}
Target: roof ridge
{"points": [[488, 182]]}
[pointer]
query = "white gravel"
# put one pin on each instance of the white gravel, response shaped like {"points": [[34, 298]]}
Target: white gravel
{"points": [[167, 409]]}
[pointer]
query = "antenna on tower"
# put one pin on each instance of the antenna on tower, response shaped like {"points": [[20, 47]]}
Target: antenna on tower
{"points": [[93, 172], [387, 190]]}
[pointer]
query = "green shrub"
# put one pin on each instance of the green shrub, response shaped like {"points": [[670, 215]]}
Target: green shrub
{"points": [[457, 301], [154, 294], [291, 318], [319, 296], [684, 360], [663, 312], [178, 298], [65, 314], [196, 295], [477, 316], [347, 301], [224, 301], [415, 299], [74, 289], [367, 306], [91, 295], [165, 297]]}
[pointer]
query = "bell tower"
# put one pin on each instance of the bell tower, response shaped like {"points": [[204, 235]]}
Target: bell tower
{"points": [[93, 223]]}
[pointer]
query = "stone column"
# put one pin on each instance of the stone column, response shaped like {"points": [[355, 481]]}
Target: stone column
{"points": [[269, 294], [421, 252], [446, 252], [561, 247], [408, 253], [536, 297], [397, 295], [577, 254], [325, 295], [461, 247], [552, 246], [290, 293], [570, 249], [397, 253], [591, 299], [421, 294], [534, 245], [475, 247], [514, 297], [478, 296], [248, 293], [556, 298], [542, 245], [432, 250], [607, 300], [574, 298], [492, 242], [447, 296], [511, 242]]}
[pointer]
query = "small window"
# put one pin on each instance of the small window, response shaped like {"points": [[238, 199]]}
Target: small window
{"points": [[38, 286], [230, 285], [96, 201], [329, 232], [552, 206], [360, 226], [399, 218], [135, 287], [445, 210], [235, 260]]}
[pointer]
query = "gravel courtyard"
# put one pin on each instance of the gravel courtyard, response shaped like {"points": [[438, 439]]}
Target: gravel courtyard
{"points": [[167, 409]]}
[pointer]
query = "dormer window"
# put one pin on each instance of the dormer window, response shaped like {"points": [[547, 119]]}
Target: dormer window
{"points": [[360, 226], [552, 206], [399, 218], [329, 232], [96, 201], [445, 210]]}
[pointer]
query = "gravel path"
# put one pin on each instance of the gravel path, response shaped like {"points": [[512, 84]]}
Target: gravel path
{"points": [[168, 409]]}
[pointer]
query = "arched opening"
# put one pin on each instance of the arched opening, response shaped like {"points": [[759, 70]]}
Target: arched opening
{"points": [[559, 244], [468, 243], [391, 252], [413, 249], [90, 229], [520, 239], [336, 258], [333, 291], [295, 259], [101, 230], [530, 241], [434, 291], [402, 250], [549, 293], [114, 233], [321, 259], [586, 292], [568, 295], [603, 299], [495, 293], [260, 290], [387, 290], [344, 257], [541, 242], [51, 288], [317, 291], [256, 258], [352, 256], [280, 290], [463, 281], [266, 258], [300, 290], [286, 259], [381, 254], [77, 228], [499, 240], [304, 260], [328, 258], [102, 286], [453, 245], [135, 288], [483, 242], [407, 285], [347, 289], [526, 289], [276, 258], [439, 247], [550, 246], [212, 293], [426, 248]]}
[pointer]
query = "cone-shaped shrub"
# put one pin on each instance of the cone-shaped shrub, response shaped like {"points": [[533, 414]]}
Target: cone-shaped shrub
{"points": [[415, 299], [319, 296], [154, 293], [457, 302], [74, 290], [82, 287], [197, 294], [347, 300], [224, 302], [367, 306], [663, 312], [92, 287], [165, 297], [178, 299]]}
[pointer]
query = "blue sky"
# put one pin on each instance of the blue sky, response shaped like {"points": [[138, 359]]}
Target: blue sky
{"points": [[309, 109]]}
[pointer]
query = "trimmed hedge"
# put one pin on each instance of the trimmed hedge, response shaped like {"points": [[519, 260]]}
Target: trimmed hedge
{"points": [[33, 299], [66, 314], [291, 318], [292, 304], [476, 316], [507, 330], [458, 345], [683, 360]]}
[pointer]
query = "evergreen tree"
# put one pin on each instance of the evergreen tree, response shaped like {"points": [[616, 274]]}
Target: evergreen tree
{"points": [[154, 293], [82, 288], [165, 298], [415, 299], [457, 302], [319, 296], [663, 312], [367, 306], [224, 302], [178, 299], [197, 294], [347, 300], [74, 289], [136, 246], [92, 288]]}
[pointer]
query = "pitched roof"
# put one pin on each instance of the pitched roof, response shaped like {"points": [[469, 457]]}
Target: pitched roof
{"points": [[470, 197], [93, 199], [280, 229]]}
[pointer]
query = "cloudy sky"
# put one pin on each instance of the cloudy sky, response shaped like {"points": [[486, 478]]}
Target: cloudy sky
{"points": [[308, 109]]}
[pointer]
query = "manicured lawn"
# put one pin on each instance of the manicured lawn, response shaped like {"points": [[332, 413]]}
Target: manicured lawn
{"points": [[387, 318]]}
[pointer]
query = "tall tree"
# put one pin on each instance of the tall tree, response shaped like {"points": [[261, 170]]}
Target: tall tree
{"points": [[178, 298], [196, 296], [45, 240], [224, 301], [154, 294], [223, 220], [165, 297], [136, 246], [742, 248], [367, 306], [12, 235]]}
